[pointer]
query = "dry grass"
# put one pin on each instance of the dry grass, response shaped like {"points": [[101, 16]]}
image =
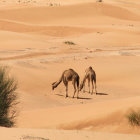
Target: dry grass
{"points": [[134, 118], [69, 43], [8, 98]]}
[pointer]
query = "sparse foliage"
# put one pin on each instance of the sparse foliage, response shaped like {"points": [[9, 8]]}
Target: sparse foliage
{"points": [[33, 138], [99, 0], [134, 118], [69, 43], [7, 98]]}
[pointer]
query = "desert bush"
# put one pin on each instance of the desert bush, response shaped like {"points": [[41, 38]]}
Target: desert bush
{"points": [[69, 43], [8, 98], [134, 117], [99, 0], [33, 138]]}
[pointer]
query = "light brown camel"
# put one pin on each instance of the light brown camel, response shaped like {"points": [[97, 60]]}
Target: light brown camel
{"points": [[68, 75], [91, 77]]}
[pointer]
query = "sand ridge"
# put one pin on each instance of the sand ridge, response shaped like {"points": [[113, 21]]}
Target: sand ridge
{"points": [[106, 37]]}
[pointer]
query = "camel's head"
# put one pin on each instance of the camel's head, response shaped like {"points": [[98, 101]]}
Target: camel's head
{"points": [[53, 85], [90, 67], [81, 86]]}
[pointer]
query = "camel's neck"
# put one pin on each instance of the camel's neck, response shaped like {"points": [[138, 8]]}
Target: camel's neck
{"points": [[84, 80]]}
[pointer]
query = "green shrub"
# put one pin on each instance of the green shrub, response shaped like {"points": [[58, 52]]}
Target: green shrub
{"points": [[134, 118], [69, 43], [7, 98], [99, 0]]}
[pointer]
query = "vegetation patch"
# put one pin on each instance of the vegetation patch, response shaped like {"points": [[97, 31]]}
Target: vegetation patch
{"points": [[33, 138], [8, 98], [99, 0], [134, 118], [69, 43]]}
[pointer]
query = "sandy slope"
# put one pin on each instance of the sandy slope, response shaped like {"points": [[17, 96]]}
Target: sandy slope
{"points": [[32, 36], [37, 134]]}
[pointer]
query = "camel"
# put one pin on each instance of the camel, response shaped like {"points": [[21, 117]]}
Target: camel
{"points": [[68, 75], [91, 76]]}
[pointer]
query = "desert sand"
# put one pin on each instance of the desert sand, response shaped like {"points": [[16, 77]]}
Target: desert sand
{"points": [[106, 37]]}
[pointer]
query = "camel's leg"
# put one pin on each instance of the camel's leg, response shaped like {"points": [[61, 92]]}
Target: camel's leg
{"points": [[84, 86], [95, 87], [66, 85], [77, 92], [74, 85], [66, 89], [92, 86], [89, 85], [77, 85]]}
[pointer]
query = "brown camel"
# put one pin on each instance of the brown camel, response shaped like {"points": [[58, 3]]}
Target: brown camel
{"points": [[68, 75], [91, 76]]}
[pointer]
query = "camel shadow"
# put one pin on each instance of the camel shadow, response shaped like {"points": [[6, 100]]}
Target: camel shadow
{"points": [[101, 94], [98, 93], [60, 95], [84, 98]]}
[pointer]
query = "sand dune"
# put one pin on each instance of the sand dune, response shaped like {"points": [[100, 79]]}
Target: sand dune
{"points": [[106, 37], [35, 134], [95, 109], [59, 31], [42, 14], [71, 117], [24, 56]]}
